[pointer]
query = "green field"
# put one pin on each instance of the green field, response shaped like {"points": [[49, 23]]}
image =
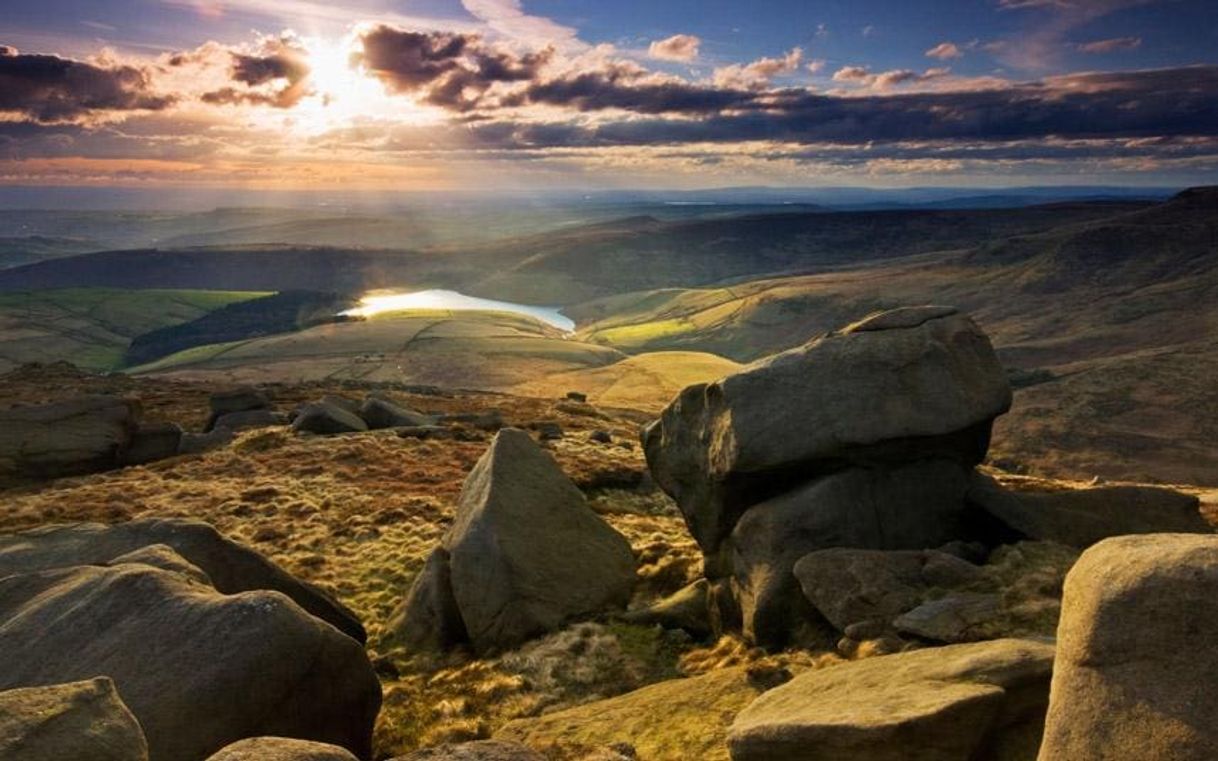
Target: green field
{"points": [[91, 327]]}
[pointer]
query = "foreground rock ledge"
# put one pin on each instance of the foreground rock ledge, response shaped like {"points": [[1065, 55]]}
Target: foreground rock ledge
{"points": [[1137, 672], [69, 722], [955, 703]]}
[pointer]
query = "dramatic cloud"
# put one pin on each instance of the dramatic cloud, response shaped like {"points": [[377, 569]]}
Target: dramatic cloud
{"points": [[50, 89], [1114, 45], [679, 47], [1041, 46], [451, 70], [275, 76], [944, 51], [861, 75]]}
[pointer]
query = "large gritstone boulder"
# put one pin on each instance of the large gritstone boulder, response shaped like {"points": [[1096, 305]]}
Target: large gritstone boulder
{"points": [[1136, 670], [241, 399], [231, 567], [957, 703], [198, 669], [1082, 517], [82, 435], [911, 507], [281, 749], [908, 384], [525, 554], [81, 721], [327, 418]]}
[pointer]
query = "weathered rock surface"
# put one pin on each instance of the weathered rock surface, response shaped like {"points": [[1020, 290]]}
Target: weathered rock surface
{"points": [[484, 750], [164, 557], [230, 566], [1136, 671], [526, 553], [152, 442], [956, 703], [380, 413], [80, 721], [954, 618], [240, 399], [667, 721], [429, 619], [281, 749], [327, 418], [910, 507], [1082, 517], [911, 384], [247, 419], [198, 669], [81, 435], [198, 443], [687, 609], [851, 586]]}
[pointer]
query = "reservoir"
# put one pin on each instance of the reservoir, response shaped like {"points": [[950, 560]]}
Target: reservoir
{"points": [[377, 303]]}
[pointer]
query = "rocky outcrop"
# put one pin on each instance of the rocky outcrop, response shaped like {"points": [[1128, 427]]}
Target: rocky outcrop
{"points": [[152, 442], [228, 565], [281, 749], [964, 617], [327, 418], [484, 750], [247, 419], [1135, 674], [240, 399], [851, 587], [910, 384], [913, 506], [675, 719], [956, 703], [1082, 517], [429, 619], [379, 413], [80, 721], [198, 669], [525, 554], [82, 435]]}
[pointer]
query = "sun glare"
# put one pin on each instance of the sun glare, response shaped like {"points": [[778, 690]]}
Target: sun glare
{"points": [[343, 95]]}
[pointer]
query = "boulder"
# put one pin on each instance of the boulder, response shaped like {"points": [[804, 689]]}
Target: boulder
{"points": [[851, 586], [326, 419], [909, 384], [381, 413], [425, 432], [247, 419], [198, 669], [1136, 671], [911, 507], [164, 557], [526, 553], [231, 567], [965, 617], [281, 749], [82, 435], [687, 609], [80, 721], [198, 443], [1082, 517], [956, 703], [668, 721], [241, 399], [429, 619], [483, 750], [152, 442]]}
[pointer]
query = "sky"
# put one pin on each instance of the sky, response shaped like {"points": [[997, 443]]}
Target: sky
{"points": [[513, 95]]}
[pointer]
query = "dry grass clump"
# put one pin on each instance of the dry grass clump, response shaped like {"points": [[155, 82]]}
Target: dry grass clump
{"points": [[1029, 577], [730, 651]]}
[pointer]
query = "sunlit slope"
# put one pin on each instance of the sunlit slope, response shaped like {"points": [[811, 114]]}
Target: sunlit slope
{"points": [[487, 350], [644, 382], [92, 327]]}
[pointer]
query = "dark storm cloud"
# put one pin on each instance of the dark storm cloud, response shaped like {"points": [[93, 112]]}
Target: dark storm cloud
{"points": [[1147, 104], [49, 89], [447, 69], [276, 76]]}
